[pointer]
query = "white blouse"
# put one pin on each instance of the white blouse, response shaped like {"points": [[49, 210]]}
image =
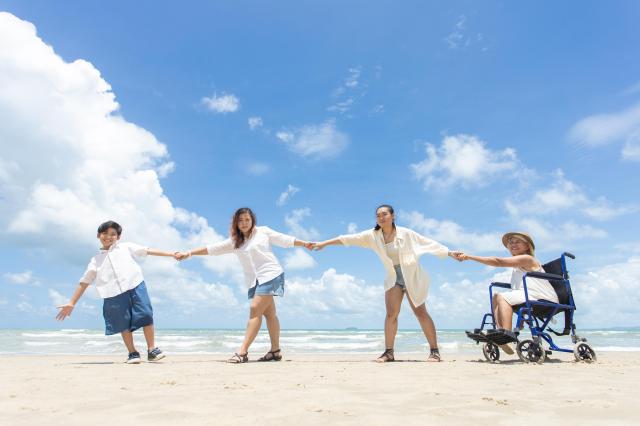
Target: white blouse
{"points": [[258, 261], [411, 246], [114, 271]]}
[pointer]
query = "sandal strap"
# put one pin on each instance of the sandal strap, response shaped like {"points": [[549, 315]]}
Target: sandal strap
{"points": [[239, 358], [388, 354]]}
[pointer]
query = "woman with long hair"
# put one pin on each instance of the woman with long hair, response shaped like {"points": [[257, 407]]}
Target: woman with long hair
{"points": [[399, 249], [264, 277]]}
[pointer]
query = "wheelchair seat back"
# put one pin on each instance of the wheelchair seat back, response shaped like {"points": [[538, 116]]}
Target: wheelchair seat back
{"points": [[555, 267]]}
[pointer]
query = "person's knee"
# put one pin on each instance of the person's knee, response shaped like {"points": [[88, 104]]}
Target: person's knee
{"points": [[421, 313], [393, 315]]}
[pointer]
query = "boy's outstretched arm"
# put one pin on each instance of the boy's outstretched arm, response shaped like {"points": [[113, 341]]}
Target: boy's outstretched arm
{"points": [[156, 252], [65, 310]]}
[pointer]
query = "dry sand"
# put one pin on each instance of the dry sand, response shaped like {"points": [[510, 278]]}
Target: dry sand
{"points": [[318, 389]]}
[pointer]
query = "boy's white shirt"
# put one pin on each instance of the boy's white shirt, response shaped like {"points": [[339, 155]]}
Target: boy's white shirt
{"points": [[114, 271], [411, 246], [258, 261]]}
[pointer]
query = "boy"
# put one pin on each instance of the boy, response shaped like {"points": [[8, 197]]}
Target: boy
{"points": [[120, 283]]}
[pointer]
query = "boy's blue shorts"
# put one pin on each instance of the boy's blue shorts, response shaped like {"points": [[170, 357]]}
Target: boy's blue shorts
{"points": [[127, 311]]}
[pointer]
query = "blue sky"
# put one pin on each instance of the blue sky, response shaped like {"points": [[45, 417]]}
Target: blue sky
{"points": [[471, 118]]}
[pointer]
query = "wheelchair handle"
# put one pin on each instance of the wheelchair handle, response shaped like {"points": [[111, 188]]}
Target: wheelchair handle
{"points": [[569, 255]]}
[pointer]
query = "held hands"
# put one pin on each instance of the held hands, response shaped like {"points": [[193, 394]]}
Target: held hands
{"points": [[459, 255], [317, 246], [181, 255], [65, 311]]}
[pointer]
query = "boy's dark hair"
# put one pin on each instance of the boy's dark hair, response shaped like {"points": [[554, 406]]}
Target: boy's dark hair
{"points": [[110, 224]]}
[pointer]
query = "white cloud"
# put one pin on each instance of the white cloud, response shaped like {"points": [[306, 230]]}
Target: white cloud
{"points": [[315, 141], [256, 168], [298, 259], [464, 160], [331, 295], [602, 209], [287, 195], [609, 295], [457, 36], [451, 234], [564, 194], [18, 277], [603, 129], [293, 222], [352, 228], [222, 104], [342, 106], [255, 122], [347, 91], [75, 162]]}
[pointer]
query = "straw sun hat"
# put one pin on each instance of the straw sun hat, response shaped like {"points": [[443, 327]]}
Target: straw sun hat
{"points": [[521, 236]]}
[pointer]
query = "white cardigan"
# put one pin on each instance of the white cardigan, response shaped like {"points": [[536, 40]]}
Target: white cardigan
{"points": [[411, 246]]}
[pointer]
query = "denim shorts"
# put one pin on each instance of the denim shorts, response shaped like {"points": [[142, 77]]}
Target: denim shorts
{"points": [[399, 278], [127, 311], [274, 287]]}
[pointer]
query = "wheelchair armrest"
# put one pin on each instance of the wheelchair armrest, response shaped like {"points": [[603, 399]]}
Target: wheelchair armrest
{"points": [[501, 285], [544, 276], [566, 253]]}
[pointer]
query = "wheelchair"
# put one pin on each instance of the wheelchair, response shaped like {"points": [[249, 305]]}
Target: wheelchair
{"points": [[536, 315]]}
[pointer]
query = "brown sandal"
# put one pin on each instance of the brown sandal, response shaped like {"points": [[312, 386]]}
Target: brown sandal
{"points": [[434, 356], [271, 356], [238, 358], [387, 356]]}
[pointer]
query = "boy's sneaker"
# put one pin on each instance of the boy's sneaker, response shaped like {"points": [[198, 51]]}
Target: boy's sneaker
{"points": [[134, 358], [155, 355]]}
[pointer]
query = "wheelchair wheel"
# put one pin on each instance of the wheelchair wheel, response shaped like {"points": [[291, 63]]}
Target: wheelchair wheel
{"points": [[530, 351], [584, 352], [491, 352]]}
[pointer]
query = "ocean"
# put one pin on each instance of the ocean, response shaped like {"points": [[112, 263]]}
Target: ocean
{"points": [[214, 342]]}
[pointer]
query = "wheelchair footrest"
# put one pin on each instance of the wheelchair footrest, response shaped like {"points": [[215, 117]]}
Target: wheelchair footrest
{"points": [[496, 336]]}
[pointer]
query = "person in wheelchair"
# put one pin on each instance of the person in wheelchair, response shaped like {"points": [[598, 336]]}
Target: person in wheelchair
{"points": [[522, 260]]}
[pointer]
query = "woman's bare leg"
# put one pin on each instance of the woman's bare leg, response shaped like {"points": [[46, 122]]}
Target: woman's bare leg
{"points": [[258, 306], [393, 302], [273, 324], [426, 323]]}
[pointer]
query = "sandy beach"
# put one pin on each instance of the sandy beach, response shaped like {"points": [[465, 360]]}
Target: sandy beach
{"points": [[317, 389]]}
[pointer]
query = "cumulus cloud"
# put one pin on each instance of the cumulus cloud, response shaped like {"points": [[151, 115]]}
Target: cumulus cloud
{"points": [[333, 294], [294, 223], [70, 162], [222, 104], [608, 296], [298, 259], [18, 277], [315, 141], [352, 228], [463, 160], [287, 195], [451, 233], [561, 195], [255, 122]]}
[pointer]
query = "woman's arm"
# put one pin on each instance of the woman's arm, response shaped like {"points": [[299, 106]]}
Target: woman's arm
{"points": [[181, 255], [523, 261], [332, 242]]}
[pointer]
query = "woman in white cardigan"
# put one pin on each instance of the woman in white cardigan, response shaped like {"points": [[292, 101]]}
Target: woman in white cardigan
{"points": [[399, 249]]}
